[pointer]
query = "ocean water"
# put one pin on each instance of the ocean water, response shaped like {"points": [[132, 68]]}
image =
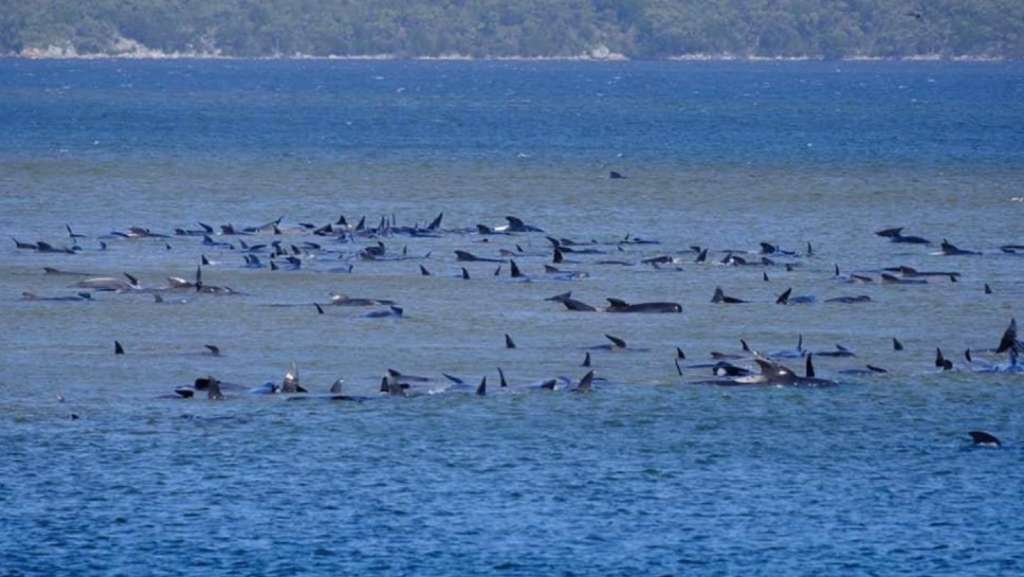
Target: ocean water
{"points": [[650, 474]]}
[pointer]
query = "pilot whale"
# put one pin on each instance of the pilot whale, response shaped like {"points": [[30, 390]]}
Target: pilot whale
{"points": [[621, 306]]}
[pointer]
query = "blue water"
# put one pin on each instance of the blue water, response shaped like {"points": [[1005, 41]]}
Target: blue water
{"points": [[662, 113], [649, 474]]}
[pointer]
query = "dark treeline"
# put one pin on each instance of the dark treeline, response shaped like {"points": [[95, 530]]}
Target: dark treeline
{"points": [[495, 28]]}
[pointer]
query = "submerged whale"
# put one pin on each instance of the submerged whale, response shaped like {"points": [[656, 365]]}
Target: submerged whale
{"points": [[621, 306]]}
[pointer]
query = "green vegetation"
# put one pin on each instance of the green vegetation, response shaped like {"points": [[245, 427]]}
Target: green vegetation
{"points": [[495, 28]]}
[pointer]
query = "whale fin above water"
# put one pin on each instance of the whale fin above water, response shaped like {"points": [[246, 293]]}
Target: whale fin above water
{"points": [[586, 360], [1009, 341], [560, 297], [586, 383], [983, 439], [481, 389], [214, 350], [453, 379], [616, 341], [509, 343], [890, 232], [784, 297], [118, 349], [896, 344], [720, 297], [617, 303], [436, 223], [501, 374], [809, 370]]}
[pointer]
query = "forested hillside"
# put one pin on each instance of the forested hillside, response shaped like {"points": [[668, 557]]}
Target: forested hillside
{"points": [[502, 28]]}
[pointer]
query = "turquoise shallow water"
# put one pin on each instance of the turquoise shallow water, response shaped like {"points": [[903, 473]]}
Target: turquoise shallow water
{"points": [[647, 475]]}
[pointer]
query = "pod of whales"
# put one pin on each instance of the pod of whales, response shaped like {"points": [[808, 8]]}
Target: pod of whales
{"points": [[311, 248]]}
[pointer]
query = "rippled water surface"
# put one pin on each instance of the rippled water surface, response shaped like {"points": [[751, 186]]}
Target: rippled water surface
{"points": [[647, 475]]}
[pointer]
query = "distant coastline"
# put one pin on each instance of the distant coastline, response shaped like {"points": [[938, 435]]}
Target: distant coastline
{"points": [[138, 52]]}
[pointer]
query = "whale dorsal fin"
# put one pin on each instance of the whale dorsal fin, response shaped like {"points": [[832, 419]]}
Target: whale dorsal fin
{"points": [[501, 374], [586, 360], [809, 370], [481, 389], [1009, 339], [453, 379], [784, 297], [436, 223], [509, 343], [587, 382], [336, 387], [617, 303], [514, 269], [719, 296], [619, 343]]}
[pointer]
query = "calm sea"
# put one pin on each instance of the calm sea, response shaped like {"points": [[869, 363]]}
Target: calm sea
{"points": [[649, 474]]}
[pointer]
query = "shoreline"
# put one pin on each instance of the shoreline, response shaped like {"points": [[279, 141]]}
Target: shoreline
{"points": [[54, 53]]}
